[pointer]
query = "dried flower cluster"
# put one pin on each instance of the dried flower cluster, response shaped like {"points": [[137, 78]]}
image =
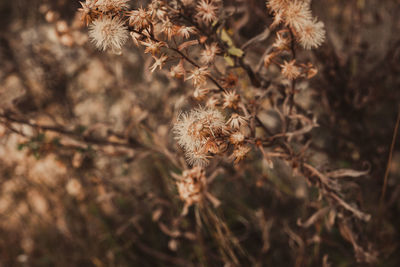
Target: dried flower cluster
{"points": [[203, 132], [190, 41], [167, 31], [192, 186], [296, 14]]}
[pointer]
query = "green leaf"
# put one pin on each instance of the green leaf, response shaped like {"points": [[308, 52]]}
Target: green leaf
{"points": [[234, 51], [226, 38], [21, 146], [229, 61]]}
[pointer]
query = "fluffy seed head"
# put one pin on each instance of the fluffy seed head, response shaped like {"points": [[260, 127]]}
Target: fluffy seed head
{"points": [[312, 34], [297, 14], [196, 130], [108, 33], [193, 129]]}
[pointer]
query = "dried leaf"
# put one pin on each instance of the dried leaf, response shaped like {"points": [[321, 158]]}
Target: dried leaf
{"points": [[315, 217], [346, 173]]}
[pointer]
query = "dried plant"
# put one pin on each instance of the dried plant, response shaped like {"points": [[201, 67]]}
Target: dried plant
{"points": [[211, 139]]}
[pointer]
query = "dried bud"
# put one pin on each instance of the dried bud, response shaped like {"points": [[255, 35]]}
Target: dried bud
{"points": [[206, 11], [290, 70], [139, 19], [199, 76], [207, 56], [177, 71], [159, 62], [231, 99], [240, 153], [236, 121], [236, 138]]}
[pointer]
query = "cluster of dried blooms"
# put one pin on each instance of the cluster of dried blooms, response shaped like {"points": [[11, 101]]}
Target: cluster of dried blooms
{"points": [[173, 35], [190, 41], [296, 15]]}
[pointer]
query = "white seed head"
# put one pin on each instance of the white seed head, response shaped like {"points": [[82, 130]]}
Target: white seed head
{"points": [[108, 33], [195, 130], [312, 34], [297, 14]]}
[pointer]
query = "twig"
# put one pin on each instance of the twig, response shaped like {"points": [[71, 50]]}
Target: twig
{"points": [[396, 128]]}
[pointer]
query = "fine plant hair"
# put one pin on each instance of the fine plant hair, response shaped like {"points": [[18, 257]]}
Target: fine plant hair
{"points": [[230, 136]]}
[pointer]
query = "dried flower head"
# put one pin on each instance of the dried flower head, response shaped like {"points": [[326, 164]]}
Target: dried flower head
{"points": [[212, 102], [290, 70], [200, 93], [199, 76], [231, 99], [310, 70], [135, 38], [236, 138], [240, 152], [197, 157], [278, 19], [206, 11], [152, 47], [159, 62], [281, 43], [89, 11], [297, 14], [207, 56], [177, 71], [197, 128], [168, 28], [236, 121], [185, 31], [108, 33], [191, 185], [312, 34], [139, 19], [157, 9]]}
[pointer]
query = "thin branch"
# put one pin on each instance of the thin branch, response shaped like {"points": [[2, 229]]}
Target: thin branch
{"points": [[396, 128]]}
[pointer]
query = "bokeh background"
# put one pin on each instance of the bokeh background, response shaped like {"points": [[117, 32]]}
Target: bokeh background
{"points": [[68, 201]]}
